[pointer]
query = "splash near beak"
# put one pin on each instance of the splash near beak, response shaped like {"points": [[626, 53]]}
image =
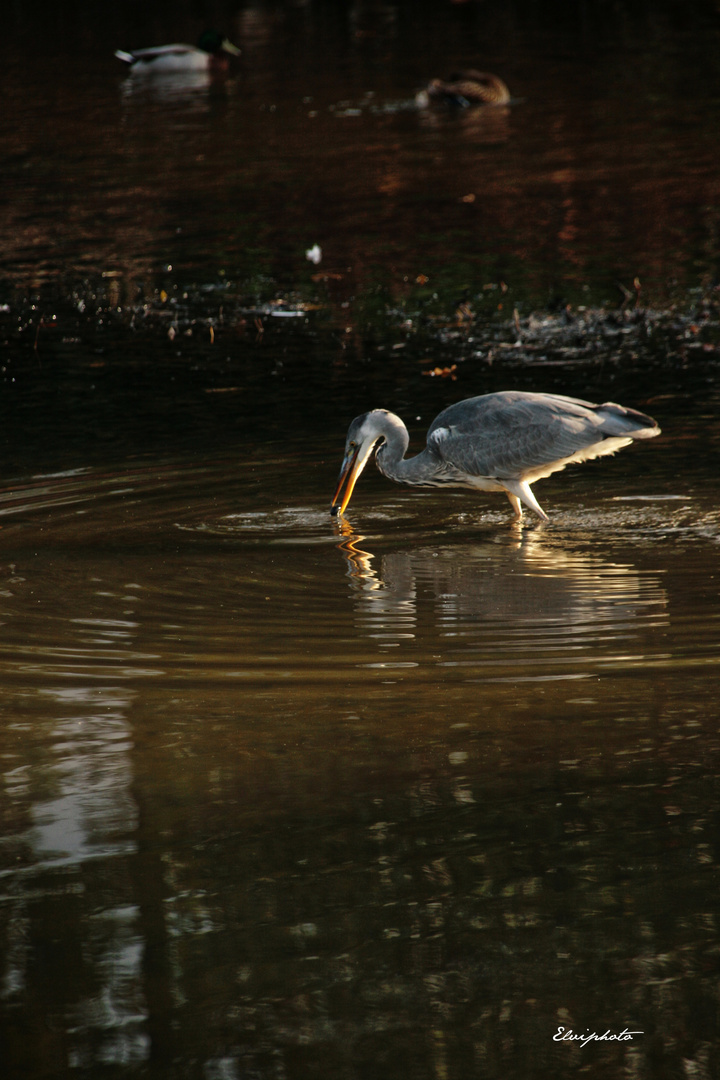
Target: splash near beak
{"points": [[350, 471]]}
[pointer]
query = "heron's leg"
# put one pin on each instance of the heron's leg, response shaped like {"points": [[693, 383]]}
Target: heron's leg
{"points": [[520, 489], [516, 505]]}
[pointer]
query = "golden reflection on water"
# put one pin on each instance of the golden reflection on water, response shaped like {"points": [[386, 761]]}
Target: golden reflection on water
{"points": [[524, 602]]}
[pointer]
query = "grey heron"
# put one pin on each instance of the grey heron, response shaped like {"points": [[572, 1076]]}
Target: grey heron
{"points": [[495, 442]]}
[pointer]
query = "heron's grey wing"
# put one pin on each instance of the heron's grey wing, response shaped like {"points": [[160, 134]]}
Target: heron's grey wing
{"points": [[520, 435]]}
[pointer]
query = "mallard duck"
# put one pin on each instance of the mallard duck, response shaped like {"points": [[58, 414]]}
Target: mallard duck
{"points": [[466, 88], [211, 51]]}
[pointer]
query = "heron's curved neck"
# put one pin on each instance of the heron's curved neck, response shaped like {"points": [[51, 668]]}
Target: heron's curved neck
{"points": [[390, 455]]}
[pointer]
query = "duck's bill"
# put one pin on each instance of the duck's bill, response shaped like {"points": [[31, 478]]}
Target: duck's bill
{"points": [[349, 473], [228, 47]]}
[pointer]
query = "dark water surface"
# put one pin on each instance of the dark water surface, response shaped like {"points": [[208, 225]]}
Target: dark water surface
{"points": [[287, 799], [404, 794]]}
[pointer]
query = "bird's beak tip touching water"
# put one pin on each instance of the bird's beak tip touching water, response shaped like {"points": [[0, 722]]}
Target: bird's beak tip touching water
{"points": [[350, 472]]}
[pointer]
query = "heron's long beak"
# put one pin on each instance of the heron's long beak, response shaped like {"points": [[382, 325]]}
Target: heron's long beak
{"points": [[354, 463], [350, 470]]}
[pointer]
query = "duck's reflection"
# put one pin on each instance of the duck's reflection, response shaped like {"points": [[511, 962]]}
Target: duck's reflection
{"points": [[196, 91], [510, 587], [486, 126]]}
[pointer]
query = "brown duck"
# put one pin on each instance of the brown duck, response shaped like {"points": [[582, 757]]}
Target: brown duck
{"points": [[466, 88]]}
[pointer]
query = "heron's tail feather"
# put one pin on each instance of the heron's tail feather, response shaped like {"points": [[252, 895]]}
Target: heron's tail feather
{"points": [[618, 420]]}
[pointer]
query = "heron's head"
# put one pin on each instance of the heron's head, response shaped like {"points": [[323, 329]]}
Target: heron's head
{"points": [[363, 434]]}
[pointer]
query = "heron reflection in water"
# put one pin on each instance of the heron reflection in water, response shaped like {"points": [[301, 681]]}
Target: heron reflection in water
{"points": [[480, 603], [495, 442]]}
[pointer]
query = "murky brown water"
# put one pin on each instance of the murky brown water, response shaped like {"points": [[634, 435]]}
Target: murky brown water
{"points": [[280, 790], [401, 795]]}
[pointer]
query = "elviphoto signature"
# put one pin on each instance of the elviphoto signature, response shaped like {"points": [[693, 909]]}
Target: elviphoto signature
{"points": [[568, 1035]]}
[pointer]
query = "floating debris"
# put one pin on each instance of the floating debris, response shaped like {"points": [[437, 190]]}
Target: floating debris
{"points": [[442, 372]]}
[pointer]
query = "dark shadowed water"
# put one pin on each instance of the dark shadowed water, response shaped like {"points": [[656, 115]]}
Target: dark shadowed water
{"points": [[414, 792]]}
